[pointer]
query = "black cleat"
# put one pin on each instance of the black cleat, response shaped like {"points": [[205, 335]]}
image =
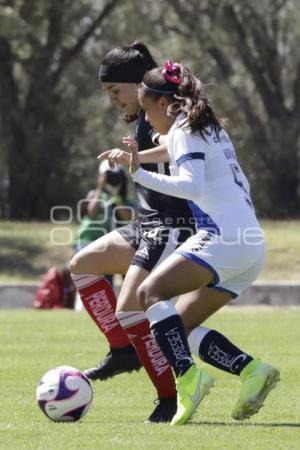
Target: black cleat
{"points": [[164, 411], [117, 360]]}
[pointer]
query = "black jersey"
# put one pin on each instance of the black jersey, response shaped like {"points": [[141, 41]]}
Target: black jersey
{"points": [[155, 207]]}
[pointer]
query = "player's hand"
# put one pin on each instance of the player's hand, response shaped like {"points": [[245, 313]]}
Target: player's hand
{"points": [[130, 142], [115, 156]]}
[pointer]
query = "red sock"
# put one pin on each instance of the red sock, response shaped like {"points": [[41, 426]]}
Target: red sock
{"points": [[100, 302], [149, 352]]}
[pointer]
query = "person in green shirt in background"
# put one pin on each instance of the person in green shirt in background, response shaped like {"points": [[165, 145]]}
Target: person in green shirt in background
{"points": [[105, 208]]}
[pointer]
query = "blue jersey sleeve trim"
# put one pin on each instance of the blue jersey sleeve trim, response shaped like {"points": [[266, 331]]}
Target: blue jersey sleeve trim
{"points": [[189, 156], [202, 262]]}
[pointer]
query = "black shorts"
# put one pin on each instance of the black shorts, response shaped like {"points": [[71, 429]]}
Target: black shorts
{"points": [[153, 244]]}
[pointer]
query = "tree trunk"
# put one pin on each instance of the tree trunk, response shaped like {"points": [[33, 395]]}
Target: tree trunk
{"points": [[34, 130], [282, 188]]}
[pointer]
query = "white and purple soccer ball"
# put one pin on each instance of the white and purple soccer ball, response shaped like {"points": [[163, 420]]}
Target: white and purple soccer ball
{"points": [[64, 394]]}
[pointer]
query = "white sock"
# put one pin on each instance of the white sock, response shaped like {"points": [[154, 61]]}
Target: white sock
{"points": [[195, 338], [160, 311]]}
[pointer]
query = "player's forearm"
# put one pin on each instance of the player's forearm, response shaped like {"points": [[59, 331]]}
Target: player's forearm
{"points": [[157, 154], [182, 186]]}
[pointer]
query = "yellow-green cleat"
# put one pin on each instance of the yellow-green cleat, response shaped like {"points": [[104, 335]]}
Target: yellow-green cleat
{"points": [[192, 387], [258, 379]]}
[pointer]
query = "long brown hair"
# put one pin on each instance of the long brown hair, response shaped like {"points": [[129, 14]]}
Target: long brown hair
{"points": [[185, 96]]}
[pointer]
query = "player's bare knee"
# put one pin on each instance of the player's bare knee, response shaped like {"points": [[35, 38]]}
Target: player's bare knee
{"points": [[122, 309], [80, 264], [145, 296], [75, 265]]}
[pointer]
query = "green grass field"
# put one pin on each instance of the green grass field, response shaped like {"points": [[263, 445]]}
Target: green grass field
{"points": [[28, 249], [35, 341]]}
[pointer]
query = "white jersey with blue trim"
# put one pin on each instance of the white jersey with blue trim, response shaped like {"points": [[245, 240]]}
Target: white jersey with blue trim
{"points": [[206, 172]]}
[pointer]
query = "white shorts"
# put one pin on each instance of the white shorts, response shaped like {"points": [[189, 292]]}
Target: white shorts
{"points": [[235, 263]]}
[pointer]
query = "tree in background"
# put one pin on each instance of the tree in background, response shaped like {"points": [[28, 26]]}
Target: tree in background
{"points": [[255, 46], [54, 122], [39, 106]]}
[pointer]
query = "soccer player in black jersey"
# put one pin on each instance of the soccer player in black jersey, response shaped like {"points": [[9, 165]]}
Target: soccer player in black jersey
{"points": [[136, 249]]}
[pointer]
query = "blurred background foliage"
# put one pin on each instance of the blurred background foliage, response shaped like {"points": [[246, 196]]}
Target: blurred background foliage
{"points": [[54, 119]]}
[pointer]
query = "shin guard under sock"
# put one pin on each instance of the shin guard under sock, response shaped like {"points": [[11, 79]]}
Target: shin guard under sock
{"points": [[153, 360], [216, 350], [100, 302]]}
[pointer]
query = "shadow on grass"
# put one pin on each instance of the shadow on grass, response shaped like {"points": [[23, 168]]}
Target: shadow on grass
{"points": [[18, 257], [220, 424], [249, 424]]}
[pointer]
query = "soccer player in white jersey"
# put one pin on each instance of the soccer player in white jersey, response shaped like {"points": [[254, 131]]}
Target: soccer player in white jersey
{"points": [[225, 256]]}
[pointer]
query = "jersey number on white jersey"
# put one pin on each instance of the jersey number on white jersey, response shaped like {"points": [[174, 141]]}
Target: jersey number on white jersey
{"points": [[238, 179]]}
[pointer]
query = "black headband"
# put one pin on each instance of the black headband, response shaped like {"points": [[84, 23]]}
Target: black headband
{"points": [[129, 72], [169, 88]]}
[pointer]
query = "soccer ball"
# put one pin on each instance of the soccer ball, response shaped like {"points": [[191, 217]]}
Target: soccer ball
{"points": [[64, 394]]}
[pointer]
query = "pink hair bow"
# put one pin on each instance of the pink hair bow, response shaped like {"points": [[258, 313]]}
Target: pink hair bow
{"points": [[171, 72]]}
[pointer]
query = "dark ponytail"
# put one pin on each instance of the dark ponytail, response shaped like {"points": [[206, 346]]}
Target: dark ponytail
{"points": [[143, 50], [137, 54], [185, 97]]}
